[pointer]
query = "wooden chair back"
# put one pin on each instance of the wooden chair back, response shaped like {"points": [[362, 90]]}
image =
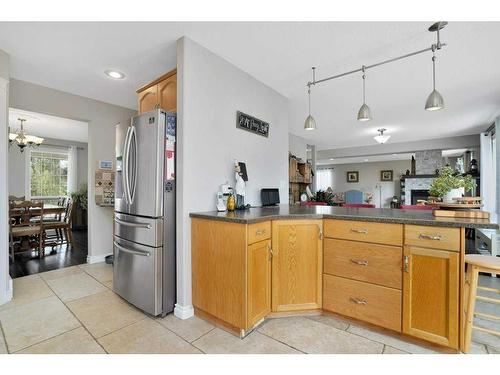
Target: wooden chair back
{"points": [[69, 211], [24, 211]]}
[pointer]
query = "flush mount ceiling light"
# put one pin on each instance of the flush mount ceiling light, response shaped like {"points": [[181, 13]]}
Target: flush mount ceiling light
{"points": [[310, 123], [381, 138], [23, 140], [434, 101], [364, 113], [115, 74]]}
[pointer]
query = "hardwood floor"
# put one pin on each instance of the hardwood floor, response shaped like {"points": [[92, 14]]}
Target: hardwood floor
{"points": [[28, 263]]}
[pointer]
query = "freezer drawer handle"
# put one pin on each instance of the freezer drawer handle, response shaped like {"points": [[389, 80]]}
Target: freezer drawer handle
{"points": [[135, 252], [136, 225]]}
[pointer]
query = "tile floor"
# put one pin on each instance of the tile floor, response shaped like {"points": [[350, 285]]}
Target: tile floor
{"points": [[74, 310]]}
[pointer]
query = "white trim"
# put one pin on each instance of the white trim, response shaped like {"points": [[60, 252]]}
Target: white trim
{"points": [[97, 258], [8, 293], [4, 83], [183, 312]]}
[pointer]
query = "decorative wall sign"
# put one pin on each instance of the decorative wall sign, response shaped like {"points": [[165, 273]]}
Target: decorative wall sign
{"points": [[105, 164], [353, 176], [386, 175], [252, 124]]}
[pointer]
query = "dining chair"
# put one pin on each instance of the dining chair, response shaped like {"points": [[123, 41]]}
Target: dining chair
{"points": [[62, 227], [21, 214]]}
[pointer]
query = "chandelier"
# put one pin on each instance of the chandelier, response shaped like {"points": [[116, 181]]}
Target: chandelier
{"points": [[22, 140]]}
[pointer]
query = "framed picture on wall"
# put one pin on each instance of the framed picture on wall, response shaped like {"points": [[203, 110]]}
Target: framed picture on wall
{"points": [[386, 175], [353, 176]]}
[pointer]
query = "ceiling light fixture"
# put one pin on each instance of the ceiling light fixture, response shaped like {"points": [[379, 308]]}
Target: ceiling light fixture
{"points": [[364, 113], [434, 101], [115, 74], [310, 123], [381, 138], [23, 140]]}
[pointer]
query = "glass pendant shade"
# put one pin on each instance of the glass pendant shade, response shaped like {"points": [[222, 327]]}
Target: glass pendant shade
{"points": [[434, 101], [22, 140], [381, 138], [310, 123], [364, 113]]}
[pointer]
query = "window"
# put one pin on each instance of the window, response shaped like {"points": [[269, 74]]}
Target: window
{"points": [[324, 178], [48, 174]]}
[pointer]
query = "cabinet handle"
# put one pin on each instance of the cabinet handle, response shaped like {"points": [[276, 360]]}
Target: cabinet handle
{"points": [[406, 263], [362, 231], [320, 232], [358, 301], [436, 237], [260, 232], [360, 262], [271, 254]]}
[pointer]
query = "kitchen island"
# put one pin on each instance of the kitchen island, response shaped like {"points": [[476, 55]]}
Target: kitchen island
{"points": [[402, 270]]}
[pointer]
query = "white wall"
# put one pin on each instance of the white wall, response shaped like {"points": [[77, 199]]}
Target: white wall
{"points": [[210, 91], [17, 165], [297, 146], [5, 280], [102, 118], [369, 179]]}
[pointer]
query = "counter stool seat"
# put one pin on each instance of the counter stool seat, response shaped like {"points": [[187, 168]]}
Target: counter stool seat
{"points": [[475, 264]]}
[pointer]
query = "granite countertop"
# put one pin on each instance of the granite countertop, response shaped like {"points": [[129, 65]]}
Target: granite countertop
{"points": [[381, 215]]}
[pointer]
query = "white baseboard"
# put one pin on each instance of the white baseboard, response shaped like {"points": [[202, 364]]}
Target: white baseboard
{"points": [[9, 293], [97, 258], [183, 312]]}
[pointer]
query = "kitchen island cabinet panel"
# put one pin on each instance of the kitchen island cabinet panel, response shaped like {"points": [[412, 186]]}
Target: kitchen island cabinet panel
{"points": [[297, 265], [381, 233], [259, 281]]}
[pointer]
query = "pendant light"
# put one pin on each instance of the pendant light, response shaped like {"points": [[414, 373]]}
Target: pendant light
{"points": [[381, 138], [23, 140], [310, 123], [435, 101], [364, 113]]}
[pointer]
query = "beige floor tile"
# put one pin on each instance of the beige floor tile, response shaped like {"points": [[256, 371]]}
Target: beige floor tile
{"points": [[27, 289], [146, 337], [34, 322], [76, 286], [77, 341], [3, 346], [314, 337], [219, 341], [493, 350], [101, 271], [390, 341], [61, 272], [189, 329], [108, 284], [331, 321], [391, 350], [104, 312], [476, 348]]}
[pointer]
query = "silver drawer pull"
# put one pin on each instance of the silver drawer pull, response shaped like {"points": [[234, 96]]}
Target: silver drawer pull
{"points": [[358, 301], [430, 237], [362, 231], [135, 225], [130, 251], [260, 232], [359, 262]]}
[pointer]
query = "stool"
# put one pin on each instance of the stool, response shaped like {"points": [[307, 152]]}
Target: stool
{"points": [[476, 264]]}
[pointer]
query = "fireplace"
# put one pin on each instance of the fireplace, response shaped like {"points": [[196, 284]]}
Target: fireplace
{"points": [[419, 194]]}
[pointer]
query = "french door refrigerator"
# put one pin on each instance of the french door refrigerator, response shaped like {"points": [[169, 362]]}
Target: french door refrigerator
{"points": [[144, 222]]}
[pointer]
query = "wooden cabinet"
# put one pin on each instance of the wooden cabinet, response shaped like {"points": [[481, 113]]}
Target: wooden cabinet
{"points": [[259, 281], [297, 265], [382, 233], [161, 93], [431, 295]]}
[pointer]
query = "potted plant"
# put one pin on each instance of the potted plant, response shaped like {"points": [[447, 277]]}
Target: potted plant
{"points": [[449, 185], [80, 202]]}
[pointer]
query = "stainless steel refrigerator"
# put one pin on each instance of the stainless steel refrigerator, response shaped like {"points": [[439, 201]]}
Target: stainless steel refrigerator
{"points": [[144, 238]]}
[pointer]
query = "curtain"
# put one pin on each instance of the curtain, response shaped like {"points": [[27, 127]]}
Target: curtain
{"points": [[324, 178], [488, 172], [72, 169]]}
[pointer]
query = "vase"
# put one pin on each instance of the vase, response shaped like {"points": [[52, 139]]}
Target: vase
{"points": [[453, 193]]}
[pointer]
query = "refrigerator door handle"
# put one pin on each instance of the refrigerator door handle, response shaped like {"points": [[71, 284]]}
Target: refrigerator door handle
{"points": [[133, 182], [136, 225], [130, 251], [126, 155]]}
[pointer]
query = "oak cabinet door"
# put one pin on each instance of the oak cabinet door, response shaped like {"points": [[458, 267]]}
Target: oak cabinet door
{"points": [[297, 265], [167, 93], [148, 99], [431, 295], [259, 281]]}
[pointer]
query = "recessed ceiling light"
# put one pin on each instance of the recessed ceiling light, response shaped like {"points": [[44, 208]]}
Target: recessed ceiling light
{"points": [[366, 160], [115, 74], [394, 154], [331, 159]]}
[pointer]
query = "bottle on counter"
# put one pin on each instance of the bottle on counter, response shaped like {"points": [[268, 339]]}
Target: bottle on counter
{"points": [[231, 203]]}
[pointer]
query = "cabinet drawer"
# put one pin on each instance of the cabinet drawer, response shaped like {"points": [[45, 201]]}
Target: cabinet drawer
{"points": [[433, 237], [378, 264], [382, 233], [259, 231], [367, 302]]}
